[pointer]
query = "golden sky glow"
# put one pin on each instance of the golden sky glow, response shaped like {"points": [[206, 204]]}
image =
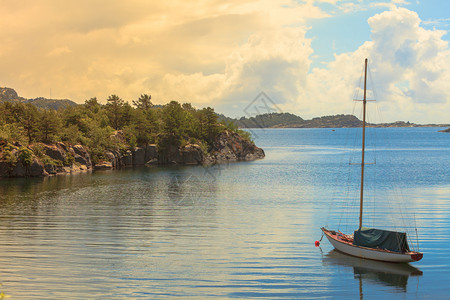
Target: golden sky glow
{"points": [[221, 54]]}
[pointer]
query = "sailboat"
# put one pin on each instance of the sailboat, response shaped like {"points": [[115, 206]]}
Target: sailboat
{"points": [[371, 243]]}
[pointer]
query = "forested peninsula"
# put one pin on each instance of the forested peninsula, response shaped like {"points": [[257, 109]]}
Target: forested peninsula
{"points": [[40, 140]]}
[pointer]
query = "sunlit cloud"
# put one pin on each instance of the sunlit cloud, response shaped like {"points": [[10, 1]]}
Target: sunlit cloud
{"points": [[175, 50], [409, 67]]}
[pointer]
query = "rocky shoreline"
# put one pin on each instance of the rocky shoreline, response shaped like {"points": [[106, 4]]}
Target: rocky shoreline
{"points": [[47, 160]]}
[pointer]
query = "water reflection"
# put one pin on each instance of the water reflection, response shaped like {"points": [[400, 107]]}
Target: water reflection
{"points": [[183, 189], [238, 231], [373, 272]]}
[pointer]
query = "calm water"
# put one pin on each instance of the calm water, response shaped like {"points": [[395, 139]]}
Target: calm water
{"points": [[244, 230]]}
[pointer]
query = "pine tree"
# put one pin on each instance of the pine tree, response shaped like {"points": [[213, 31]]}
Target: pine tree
{"points": [[28, 120], [144, 102], [114, 107], [49, 125]]}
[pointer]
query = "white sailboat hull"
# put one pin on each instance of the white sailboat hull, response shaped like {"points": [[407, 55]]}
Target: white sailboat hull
{"points": [[369, 253]]}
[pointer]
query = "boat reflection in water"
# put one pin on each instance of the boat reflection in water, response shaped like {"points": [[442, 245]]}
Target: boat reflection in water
{"points": [[370, 271]]}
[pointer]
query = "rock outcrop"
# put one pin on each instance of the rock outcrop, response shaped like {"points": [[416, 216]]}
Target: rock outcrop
{"points": [[82, 156], [191, 154], [21, 169], [231, 147], [59, 158], [4, 169], [228, 147], [55, 152], [36, 168], [43, 160], [142, 155], [9, 95], [139, 156]]}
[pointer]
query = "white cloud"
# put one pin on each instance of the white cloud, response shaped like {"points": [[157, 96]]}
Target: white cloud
{"points": [[409, 66], [275, 62], [269, 61], [400, 2], [438, 22], [351, 7], [412, 53]]}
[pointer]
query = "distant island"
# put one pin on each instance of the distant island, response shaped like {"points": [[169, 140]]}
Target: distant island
{"points": [[288, 120], [41, 137]]}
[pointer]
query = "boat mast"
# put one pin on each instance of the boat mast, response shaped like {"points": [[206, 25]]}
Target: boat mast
{"points": [[361, 197]]}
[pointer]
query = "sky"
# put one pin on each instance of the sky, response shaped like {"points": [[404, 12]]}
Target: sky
{"points": [[305, 57]]}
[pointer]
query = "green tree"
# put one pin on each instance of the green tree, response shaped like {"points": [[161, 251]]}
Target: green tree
{"points": [[28, 120], [126, 115], [10, 128], [92, 105], [188, 107], [114, 107], [208, 126], [98, 140], [144, 102], [25, 155], [173, 126], [72, 116], [142, 128], [49, 124], [8, 113], [72, 135]]}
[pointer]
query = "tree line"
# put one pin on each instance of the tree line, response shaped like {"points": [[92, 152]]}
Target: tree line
{"points": [[92, 124]]}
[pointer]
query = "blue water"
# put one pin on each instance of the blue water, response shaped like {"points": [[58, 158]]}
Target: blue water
{"points": [[242, 230]]}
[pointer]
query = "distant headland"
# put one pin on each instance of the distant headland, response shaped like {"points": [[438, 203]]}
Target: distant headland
{"points": [[288, 120]]}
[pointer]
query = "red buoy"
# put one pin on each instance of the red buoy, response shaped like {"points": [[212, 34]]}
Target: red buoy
{"points": [[317, 243]]}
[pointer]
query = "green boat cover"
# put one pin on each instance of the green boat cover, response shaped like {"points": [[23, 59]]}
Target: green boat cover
{"points": [[381, 239]]}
